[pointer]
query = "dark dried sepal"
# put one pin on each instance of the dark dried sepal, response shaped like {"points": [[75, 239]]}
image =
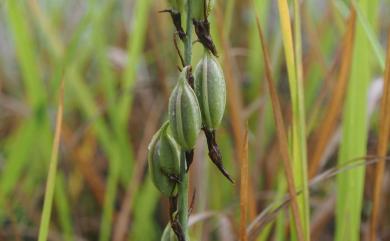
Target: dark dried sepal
{"points": [[176, 227], [202, 30], [176, 19], [214, 153], [189, 159], [190, 77]]}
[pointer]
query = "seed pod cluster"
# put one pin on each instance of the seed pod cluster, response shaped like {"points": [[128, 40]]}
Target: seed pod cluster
{"points": [[164, 161], [196, 103]]}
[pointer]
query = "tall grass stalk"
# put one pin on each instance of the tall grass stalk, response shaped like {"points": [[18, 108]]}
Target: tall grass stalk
{"points": [[244, 189], [51, 178], [135, 46], [281, 136], [354, 136], [294, 69], [299, 127], [23, 139], [382, 148], [63, 208]]}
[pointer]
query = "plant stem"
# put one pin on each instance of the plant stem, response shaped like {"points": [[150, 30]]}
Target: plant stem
{"points": [[183, 186], [188, 41], [183, 197]]}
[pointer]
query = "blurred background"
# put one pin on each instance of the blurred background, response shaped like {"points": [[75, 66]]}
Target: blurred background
{"points": [[119, 65]]}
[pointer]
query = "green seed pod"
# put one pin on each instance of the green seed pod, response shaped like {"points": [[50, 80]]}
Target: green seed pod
{"points": [[184, 113], [168, 234], [198, 8], [164, 161], [210, 89]]}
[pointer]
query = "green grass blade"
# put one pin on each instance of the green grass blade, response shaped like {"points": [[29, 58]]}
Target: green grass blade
{"points": [[255, 63], [299, 127], [294, 68], [144, 227], [354, 137], [51, 178], [17, 150], [22, 142], [135, 46], [25, 50], [368, 30], [63, 208], [376, 47]]}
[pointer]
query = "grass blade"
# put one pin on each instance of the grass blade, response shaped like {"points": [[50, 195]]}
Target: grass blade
{"points": [[234, 102], [294, 69], [282, 136], [244, 189], [329, 123], [376, 46], [299, 126], [62, 206], [135, 45], [369, 32], [384, 127], [51, 178], [350, 184], [26, 54]]}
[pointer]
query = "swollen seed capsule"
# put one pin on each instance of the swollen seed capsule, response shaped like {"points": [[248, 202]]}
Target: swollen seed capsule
{"points": [[210, 89], [164, 161], [184, 113]]}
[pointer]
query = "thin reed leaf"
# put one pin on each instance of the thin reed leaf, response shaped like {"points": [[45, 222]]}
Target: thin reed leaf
{"points": [[299, 126], [332, 113], [51, 177], [234, 100], [282, 137], [23, 140], [244, 176], [350, 184], [294, 68], [368, 29], [134, 48], [63, 207], [26, 54], [382, 148]]}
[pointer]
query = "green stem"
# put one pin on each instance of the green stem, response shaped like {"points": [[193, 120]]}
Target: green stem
{"points": [[183, 197], [183, 186]]}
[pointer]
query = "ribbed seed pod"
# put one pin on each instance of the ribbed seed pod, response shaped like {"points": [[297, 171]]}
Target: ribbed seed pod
{"points": [[184, 113], [164, 161], [168, 234], [210, 89], [198, 8]]}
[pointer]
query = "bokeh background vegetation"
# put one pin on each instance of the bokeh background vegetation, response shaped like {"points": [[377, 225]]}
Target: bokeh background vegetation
{"points": [[118, 65]]}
